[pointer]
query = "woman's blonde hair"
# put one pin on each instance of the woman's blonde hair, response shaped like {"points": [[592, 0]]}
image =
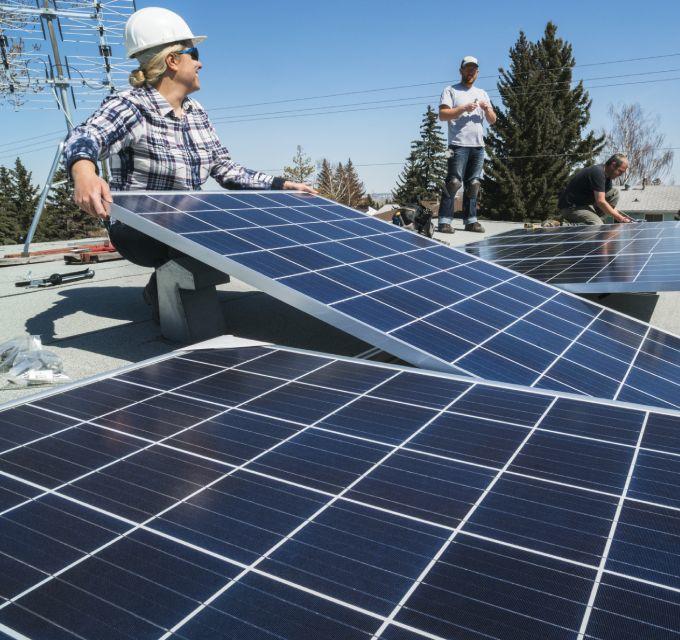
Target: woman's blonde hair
{"points": [[152, 64]]}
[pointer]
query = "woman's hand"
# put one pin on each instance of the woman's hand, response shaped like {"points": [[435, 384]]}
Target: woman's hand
{"points": [[299, 186], [90, 192]]}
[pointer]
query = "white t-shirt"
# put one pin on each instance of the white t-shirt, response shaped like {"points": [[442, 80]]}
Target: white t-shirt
{"points": [[467, 130]]}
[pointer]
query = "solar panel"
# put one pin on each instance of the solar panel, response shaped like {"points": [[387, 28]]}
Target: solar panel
{"points": [[611, 258], [257, 492], [429, 304]]}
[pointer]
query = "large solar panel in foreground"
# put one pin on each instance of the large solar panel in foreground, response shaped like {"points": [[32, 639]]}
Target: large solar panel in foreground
{"points": [[256, 492], [428, 304], [592, 259]]}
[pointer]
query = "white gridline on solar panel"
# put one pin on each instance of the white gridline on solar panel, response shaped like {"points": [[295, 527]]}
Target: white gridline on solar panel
{"points": [[590, 250], [613, 265], [586, 234], [540, 374], [524, 235], [616, 276], [616, 270], [629, 259], [454, 531]]}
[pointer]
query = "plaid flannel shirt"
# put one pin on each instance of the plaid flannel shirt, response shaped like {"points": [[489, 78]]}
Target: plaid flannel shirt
{"points": [[151, 148]]}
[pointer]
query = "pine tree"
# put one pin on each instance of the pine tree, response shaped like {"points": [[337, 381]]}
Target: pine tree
{"points": [[408, 182], [355, 187], [331, 181], [324, 179], [301, 169], [24, 195], [340, 184], [430, 155], [62, 219], [539, 138], [423, 175], [9, 229]]}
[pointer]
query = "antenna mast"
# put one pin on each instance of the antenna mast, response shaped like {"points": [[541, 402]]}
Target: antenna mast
{"points": [[70, 27]]}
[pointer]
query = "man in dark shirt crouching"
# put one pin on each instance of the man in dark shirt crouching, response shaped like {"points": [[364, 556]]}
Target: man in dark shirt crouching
{"points": [[590, 195]]}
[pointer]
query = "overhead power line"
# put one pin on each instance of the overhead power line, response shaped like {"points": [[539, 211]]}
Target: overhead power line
{"points": [[431, 97], [437, 82], [327, 111], [16, 146]]}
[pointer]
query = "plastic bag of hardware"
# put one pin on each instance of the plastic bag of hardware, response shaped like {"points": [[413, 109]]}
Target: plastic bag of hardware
{"points": [[12, 348], [26, 363]]}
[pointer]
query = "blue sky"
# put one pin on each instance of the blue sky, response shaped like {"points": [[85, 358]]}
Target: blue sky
{"points": [[267, 52]]}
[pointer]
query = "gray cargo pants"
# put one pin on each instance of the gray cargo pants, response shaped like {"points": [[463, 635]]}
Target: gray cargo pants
{"points": [[589, 213]]}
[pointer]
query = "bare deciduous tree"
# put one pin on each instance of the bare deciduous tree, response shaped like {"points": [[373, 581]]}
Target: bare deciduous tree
{"points": [[636, 133], [301, 169]]}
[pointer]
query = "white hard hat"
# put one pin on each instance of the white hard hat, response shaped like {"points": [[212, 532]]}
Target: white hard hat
{"points": [[469, 60], [155, 26]]}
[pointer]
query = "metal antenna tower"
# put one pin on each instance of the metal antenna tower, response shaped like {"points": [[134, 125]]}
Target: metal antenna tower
{"points": [[27, 74]]}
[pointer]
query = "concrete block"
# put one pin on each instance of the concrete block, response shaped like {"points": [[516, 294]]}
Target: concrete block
{"points": [[187, 300]]}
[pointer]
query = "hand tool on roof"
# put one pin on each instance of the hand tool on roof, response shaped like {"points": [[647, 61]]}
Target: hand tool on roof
{"points": [[56, 278]]}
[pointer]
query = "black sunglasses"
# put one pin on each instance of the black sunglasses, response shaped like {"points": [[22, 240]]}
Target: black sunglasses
{"points": [[192, 51]]}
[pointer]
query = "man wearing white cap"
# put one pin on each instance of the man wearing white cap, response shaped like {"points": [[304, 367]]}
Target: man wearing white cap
{"points": [[155, 135], [464, 107]]}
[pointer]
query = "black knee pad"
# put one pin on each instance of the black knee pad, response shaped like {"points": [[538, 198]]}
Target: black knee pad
{"points": [[472, 188], [451, 187]]}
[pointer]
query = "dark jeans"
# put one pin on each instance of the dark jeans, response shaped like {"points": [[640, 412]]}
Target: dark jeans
{"points": [[464, 165], [139, 248]]}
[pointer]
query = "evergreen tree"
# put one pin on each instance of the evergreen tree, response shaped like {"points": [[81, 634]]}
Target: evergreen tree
{"points": [[324, 179], [539, 138], [423, 175], [24, 195], [62, 219], [355, 190], [301, 169], [430, 155], [331, 181], [340, 184], [9, 229], [408, 182]]}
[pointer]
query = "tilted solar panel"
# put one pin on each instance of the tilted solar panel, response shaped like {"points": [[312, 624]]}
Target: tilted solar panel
{"points": [[257, 492], [585, 259], [428, 304]]}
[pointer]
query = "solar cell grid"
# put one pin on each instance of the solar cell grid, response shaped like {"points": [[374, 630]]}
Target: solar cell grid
{"points": [[607, 259], [431, 305], [474, 509]]}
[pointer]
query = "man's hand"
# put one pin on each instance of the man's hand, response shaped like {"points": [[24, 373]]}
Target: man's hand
{"points": [[470, 107], [488, 111], [299, 186], [620, 217], [90, 193]]}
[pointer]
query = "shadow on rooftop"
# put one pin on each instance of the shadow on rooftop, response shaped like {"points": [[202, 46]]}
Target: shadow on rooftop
{"points": [[130, 334]]}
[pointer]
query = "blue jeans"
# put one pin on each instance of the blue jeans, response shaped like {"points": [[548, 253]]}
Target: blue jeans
{"points": [[464, 165]]}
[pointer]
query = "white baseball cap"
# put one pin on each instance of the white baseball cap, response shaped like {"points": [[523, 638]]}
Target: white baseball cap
{"points": [[469, 60]]}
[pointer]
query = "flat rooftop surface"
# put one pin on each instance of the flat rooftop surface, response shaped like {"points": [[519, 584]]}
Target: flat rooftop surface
{"points": [[101, 324]]}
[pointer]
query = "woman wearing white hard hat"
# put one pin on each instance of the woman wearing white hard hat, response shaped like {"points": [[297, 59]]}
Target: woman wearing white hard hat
{"points": [[155, 135]]}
